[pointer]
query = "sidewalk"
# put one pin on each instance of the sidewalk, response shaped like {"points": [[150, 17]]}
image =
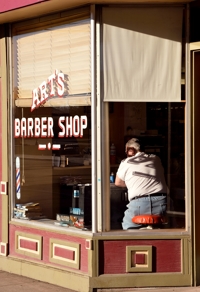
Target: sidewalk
{"points": [[12, 283], [157, 289]]}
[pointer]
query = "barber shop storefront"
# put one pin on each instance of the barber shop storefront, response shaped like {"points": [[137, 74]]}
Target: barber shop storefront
{"points": [[76, 83]]}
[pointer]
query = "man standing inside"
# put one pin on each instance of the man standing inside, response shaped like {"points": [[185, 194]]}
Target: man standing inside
{"points": [[143, 175]]}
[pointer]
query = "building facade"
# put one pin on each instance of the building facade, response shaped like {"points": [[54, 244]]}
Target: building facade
{"points": [[77, 80]]}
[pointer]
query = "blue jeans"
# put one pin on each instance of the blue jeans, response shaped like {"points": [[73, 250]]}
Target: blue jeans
{"points": [[154, 205]]}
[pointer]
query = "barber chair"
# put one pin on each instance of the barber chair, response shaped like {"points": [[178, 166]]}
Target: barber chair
{"points": [[149, 221]]}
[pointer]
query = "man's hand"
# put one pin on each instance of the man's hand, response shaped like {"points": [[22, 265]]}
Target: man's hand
{"points": [[119, 182]]}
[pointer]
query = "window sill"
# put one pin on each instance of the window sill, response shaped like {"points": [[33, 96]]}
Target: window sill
{"points": [[48, 224]]}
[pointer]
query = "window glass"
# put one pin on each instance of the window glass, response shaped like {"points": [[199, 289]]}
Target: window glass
{"points": [[160, 127], [52, 124], [146, 104]]}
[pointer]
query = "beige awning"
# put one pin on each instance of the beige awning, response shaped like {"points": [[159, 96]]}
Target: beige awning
{"points": [[142, 51]]}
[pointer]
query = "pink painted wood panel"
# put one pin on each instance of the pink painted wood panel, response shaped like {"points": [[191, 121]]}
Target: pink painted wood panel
{"points": [[15, 4], [1, 214], [0, 151], [0, 130], [139, 259], [166, 255], [3, 249], [28, 244], [1, 211], [46, 236], [64, 253]]}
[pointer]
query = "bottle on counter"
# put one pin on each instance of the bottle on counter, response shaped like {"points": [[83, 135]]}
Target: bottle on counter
{"points": [[76, 197], [112, 154], [112, 177]]}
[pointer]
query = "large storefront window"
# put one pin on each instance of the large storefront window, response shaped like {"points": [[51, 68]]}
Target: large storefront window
{"points": [[160, 127], [52, 120], [144, 86], [141, 66]]}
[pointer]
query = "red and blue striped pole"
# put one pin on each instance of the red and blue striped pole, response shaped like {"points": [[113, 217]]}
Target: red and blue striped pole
{"points": [[18, 184]]}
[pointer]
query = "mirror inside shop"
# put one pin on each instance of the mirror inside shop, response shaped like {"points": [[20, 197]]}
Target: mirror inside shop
{"points": [[53, 160]]}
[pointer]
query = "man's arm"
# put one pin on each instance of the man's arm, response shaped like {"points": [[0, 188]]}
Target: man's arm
{"points": [[119, 182]]}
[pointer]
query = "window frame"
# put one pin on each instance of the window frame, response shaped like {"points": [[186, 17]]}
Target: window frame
{"points": [[100, 122], [104, 122], [35, 25]]}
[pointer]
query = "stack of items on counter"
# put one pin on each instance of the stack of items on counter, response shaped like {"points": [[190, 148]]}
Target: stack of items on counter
{"points": [[69, 220], [77, 222], [62, 220], [28, 211]]}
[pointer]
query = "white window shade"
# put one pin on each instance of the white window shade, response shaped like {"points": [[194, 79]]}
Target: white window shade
{"points": [[38, 54], [142, 54]]}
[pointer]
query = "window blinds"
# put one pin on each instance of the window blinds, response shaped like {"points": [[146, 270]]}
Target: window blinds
{"points": [[142, 53], [38, 54]]}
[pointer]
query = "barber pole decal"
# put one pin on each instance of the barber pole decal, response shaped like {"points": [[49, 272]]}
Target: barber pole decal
{"points": [[18, 191]]}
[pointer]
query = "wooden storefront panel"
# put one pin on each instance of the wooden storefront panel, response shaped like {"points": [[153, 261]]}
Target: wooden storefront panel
{"points": [[49, 248], [114, 258]]}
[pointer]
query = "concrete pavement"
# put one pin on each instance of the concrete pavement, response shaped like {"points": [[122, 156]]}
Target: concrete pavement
{"points": [[15, 283], [12, 283], [157, 289]]}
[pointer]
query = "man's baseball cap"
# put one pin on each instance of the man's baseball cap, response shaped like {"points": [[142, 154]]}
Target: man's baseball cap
{"points": [[135, 143]]}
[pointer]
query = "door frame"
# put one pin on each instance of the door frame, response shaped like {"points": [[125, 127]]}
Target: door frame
{"points": [[195, 156]]}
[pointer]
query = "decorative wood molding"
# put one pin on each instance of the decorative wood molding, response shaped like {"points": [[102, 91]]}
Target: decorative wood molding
{"points": [[64, 253], [89, 244], [3, 249], [139, 258], [3, 188], [28, 245]]}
